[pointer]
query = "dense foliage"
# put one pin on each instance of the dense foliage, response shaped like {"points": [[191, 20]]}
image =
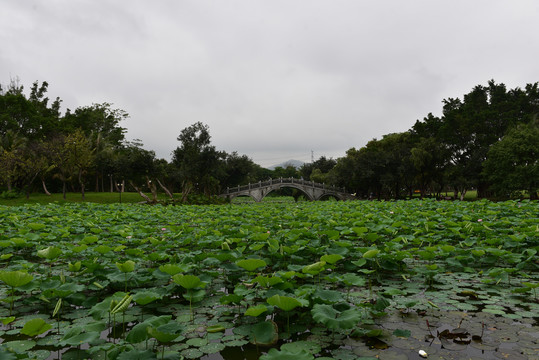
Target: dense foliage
{"points": [[129, 281], [450, 152], [486, 142], [86, 149]]}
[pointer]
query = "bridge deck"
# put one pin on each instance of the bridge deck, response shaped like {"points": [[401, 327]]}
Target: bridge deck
{"points": [[283, 181], [313, 190]]}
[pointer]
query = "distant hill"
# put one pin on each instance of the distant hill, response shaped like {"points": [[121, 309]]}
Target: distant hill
{"points": [[295, 163]]}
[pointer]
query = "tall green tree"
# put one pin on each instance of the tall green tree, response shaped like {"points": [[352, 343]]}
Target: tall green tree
{"points": [[12, 147], [80, 156], [197, 160], [237, 170], [60, 157], [139, 168], [323, 165], [97, 120], [33, 117], [512, 164]]}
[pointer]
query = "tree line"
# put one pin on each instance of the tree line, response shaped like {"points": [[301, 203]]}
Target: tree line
{"points": [[86, 149], [488, 141]]}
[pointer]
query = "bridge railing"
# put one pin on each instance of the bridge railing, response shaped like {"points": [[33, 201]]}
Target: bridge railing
{"points": [[260, 184]]}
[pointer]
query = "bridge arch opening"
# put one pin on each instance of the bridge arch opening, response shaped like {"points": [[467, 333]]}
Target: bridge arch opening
{"points": [[299, 192], [329, 197]]}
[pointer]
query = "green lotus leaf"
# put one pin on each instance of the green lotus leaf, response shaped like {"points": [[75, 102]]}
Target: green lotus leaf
{"points": [[381, 303], [402, 333], [74, 267], [328, 296], [261, 236], [256, 310], [360, 262], [197, 342], [89, 239], [20, 242], [7, 320], [251, 264], [521, 290], [194, 295], [447, 248], [264, 333], [64, 290], [296, 346], [230, 299], [102, 249], [165, 333], [267, 281], [315, 268], [79, 249], [173, 269], [273, 245], [35, 327], [126, 267], [335, 319], [49, 253], [331, 258], [374, 332], [191, 353], [360, 230], [212, 348], [188, 281], [15, 278], [136, 355], [274, 354], [284, 303], [36, 226], [371, 253], [494, 311], [478, 252], [139, 332], [146, 297], [79, 339], [215, 328], [19, 346], [353, 279], [119, 248]]}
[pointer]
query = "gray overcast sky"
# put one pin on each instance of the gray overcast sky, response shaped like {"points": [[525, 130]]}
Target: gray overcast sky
{"points": [[272, 79]]}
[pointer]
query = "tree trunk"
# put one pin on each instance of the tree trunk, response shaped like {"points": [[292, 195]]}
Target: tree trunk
{"points": [[167, 191], [186, 189], [152, 188], [482, 190], [144, 196], [64, 189], [81, 184], [45, 187]]}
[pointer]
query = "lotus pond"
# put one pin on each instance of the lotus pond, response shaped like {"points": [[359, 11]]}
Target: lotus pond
{"points": [[324, 280]]}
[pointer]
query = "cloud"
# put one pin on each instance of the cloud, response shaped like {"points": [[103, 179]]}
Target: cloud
{"points": [[272, 79]]}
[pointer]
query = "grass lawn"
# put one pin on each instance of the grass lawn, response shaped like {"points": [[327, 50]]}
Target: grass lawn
{"points": [[101, 197], [133, 197]]}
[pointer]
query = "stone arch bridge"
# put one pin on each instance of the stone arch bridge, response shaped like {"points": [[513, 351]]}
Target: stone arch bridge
{"points": [[313, 191]]}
